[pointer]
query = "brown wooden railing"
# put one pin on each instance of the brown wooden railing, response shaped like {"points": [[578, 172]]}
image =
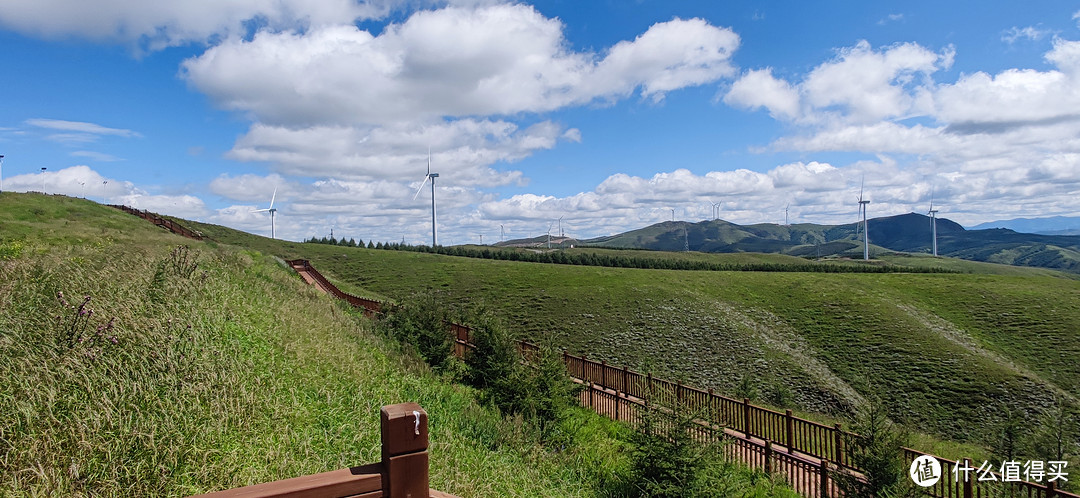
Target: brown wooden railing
{"points": [[808, 453], [165, 223], [403, 471]]}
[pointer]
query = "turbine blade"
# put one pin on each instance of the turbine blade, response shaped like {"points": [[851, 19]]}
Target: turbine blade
{"points": [[272, 198], [429, 160], [421, 187]]}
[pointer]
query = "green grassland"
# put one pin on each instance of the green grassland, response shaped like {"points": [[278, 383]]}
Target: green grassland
{"points": [[188, 378], [947, 352]]}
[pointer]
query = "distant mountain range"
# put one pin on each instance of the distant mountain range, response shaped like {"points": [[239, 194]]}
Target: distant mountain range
{"points": [[902, 233], [1054, 225]]}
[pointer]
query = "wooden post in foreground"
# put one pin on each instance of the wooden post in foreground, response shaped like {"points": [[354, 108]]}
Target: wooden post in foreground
{"points": [[404, 450]]}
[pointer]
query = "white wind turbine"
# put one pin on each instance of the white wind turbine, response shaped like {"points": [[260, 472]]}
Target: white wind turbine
{"points": [[430, 176], [866, 232], [270, 210], [716, 209], [933, 222]]}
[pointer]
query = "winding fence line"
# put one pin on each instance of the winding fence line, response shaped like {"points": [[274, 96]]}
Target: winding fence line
{"points": [[809, 454], [167, 224]]}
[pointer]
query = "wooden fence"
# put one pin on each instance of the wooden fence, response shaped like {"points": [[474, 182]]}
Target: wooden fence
{"points": [[809, 454], [403, 471], [165, 223]]}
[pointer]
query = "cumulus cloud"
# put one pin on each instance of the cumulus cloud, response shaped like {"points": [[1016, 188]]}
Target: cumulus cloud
{"points": [[155, 25], [860, 85], [996, 141], [758, 88], [452, 62], [463, 149]]}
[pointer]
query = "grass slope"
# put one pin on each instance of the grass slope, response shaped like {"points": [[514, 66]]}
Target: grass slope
{"points": [[230, 374], [947, 352]]}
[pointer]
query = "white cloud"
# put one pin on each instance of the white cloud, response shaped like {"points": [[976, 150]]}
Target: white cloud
{"points": [[860, 85], [758, 88], [452, 62], [463, 150], [79, 127], [96, 156], [1032, 33], [78, 132], [155, 25]]}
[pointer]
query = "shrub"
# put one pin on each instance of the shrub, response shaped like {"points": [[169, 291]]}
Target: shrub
{"points": [[877, 451], [424, 325]]}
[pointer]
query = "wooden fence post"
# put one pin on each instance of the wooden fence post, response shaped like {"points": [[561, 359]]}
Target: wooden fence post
{"points": [[823, 471], [968, 487], [603, 373], [768, 456], [746, 417], [789, 429], [839, 445], [625, 378], [1051, 489], [711, 408], [404, 450], [679, 393], [618, 401]]}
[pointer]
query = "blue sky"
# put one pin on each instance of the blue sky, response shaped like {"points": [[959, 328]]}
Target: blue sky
{"points": [[608, 114]]}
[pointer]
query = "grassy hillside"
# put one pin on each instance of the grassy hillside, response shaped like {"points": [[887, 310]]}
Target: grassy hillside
{"points": [[947, 352], [185, 378]]}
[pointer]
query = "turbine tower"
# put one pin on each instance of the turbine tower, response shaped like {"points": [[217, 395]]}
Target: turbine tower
{"points": [[270, 210], [866, 231], [716, 209], [430, 176], [933, 223], [786, 215]]}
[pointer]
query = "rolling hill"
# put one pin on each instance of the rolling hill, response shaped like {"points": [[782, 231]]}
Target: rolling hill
{"points": [[902, 233]]}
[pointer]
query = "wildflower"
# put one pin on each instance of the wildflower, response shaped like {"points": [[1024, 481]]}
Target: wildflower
{"points": [[113, 340]]}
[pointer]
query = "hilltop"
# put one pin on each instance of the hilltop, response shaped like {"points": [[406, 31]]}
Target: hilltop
{"points": [[902, 233]]}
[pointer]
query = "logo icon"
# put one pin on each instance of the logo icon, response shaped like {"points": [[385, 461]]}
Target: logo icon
{"points": [[925, 471]]}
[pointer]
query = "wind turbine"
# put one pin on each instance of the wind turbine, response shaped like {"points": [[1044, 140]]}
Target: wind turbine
{"points": [[502, 233], [271, 210], [785, 215], [103, 184], [549, 234], [933, 222], [866, 231], [562, 234], [716, 209], [1, 173], [430, 176]]}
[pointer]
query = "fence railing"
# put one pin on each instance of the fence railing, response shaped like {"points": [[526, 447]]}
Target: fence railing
{"points": [[808, 453], [403, 471], [165, 223]]}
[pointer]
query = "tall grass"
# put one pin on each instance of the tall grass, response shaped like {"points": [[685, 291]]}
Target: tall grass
{"points": [[132, 366]]}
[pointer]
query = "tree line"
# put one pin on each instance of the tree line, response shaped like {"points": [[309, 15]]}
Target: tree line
{"points": [[583, 258]]}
